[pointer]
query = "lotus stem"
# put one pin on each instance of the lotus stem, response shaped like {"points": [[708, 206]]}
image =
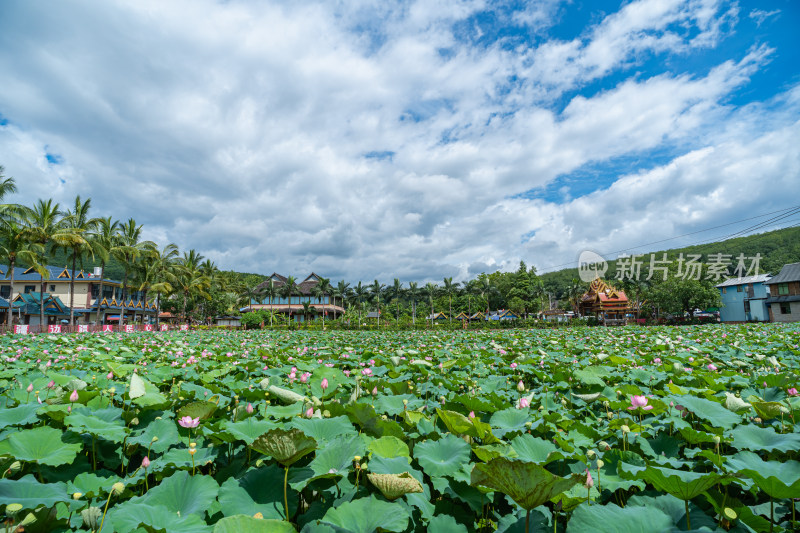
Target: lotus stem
{"points": [[527, 521], [104, 511], [688, 520], [285, 499]]}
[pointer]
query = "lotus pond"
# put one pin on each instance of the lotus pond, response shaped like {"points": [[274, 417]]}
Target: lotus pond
{"points": [[584, 429]]}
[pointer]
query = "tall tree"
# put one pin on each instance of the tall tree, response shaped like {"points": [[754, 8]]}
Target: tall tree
{"points": [[44, 226], [343, 288], [359, 293], [288, 289], [396, 290], [321, 290], [413, 294], [449, 288], [81, 225], [375, 290], [270, 291], [431, 290], [104, 240], [128, 249], [15, 247], [158, 267]]}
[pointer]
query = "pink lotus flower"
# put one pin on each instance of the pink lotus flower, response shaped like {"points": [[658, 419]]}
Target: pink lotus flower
{"points": [[792, 391], [374, 391], [74, 396], [712, 367], [513, 365], [51, 384], [189, 422], [589, 480], [657, 361], [30, 388], [471, 414], [110, 375], [324, 383], [523, 403], [249, 408], [639, 402], [145, 462], [309, 412]]}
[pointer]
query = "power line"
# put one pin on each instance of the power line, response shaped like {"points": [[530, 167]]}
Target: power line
{"points": [[787, 211]]}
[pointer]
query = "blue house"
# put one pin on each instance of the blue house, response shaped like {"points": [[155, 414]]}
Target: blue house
{"points": [[744, 299]]}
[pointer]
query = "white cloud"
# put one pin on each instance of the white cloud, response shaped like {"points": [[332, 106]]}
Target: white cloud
{"points": [[242, 128]]}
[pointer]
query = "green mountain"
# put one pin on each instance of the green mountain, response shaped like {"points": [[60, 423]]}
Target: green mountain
{"points": [[775, 247]]}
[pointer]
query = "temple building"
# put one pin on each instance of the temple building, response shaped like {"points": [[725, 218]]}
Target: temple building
{"points": [[609, 305]]}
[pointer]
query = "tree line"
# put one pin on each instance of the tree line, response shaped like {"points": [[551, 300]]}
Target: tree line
{"points": [[31, 236]]}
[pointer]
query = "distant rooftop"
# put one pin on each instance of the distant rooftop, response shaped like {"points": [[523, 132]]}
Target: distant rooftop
{"points": [[761, 278]]}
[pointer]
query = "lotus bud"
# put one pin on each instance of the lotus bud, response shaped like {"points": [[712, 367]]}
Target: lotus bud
{"points": [[77, 495], [716, 439], [145, 462], [600, 463], [30, 388], [74, 396], [154, 439], [625, 429], [249, 409], [117, 488], [520, 386]]}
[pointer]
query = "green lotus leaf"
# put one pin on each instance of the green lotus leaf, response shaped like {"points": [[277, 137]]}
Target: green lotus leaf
{"points": [[247, 524], [324, 429], [764, 439], [286, 447], [201, 409], [285, 395], [443, 523], [528, 484], [30, 494], [19, 416], [130, 515], [366, 515], [166, 431], [389, 447], [42, 445], [770, 410], [183, 493], [588, 398], [532, 449], [490, 451], [258, 491], [442, 457], [779, 479], [180, 457], [675, 509], [392, 486], [708, 410], [137, 387], [247, 430], [508, 420], [104, 423], [333, 460], [735, 404], [372, 423], [456, 423], [680, 483], [91, 485], [613, 519]]}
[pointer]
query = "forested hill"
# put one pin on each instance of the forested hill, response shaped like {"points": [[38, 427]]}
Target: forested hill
{"points": [[776, 248]]}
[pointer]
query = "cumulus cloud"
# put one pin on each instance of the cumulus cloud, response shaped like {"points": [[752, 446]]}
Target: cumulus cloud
{"points": [[377, 139]]}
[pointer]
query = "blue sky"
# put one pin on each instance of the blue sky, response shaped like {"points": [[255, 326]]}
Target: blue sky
{"points": [[412, 139]]}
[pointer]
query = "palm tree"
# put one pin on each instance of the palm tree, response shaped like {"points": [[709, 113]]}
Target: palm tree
{"points": [[128, 249], [287, 290], [44, 226], [376, 289], [397, 291], [270, 291], [430, 290], [189, 280], [162, 263], [104, 240], [449, 288], [485, 289], [469, 290], [320, 290], [413, 293], [343, 289], [359, 292], [78, 221], [14, 248], [7, 186]]}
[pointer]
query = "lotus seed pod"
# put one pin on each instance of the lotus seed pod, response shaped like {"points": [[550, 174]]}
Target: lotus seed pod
{"points": [[716, 439], [117, 488], [590, 453], [258, 516], [77, 495], [154, 439], [13, 508], [600, 463], [357, 458], [135, 422], [626, 429]]}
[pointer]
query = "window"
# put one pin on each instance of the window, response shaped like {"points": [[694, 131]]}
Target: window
{"points": [[785, 309], [30, 288], [738, 288], [5, 291], [724, 290], [783, 289], [95, 290], [747, 306], [52, 288]]}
